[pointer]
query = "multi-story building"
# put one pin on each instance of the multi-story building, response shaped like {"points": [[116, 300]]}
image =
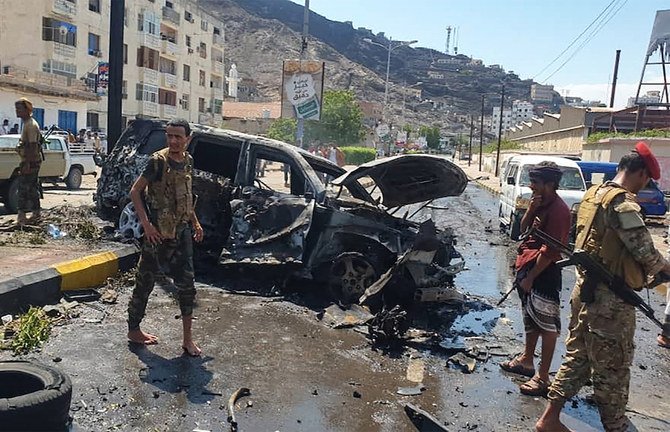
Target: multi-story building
{"points": [[541, 93], [173, 55], [519, 112], [652, 97]]}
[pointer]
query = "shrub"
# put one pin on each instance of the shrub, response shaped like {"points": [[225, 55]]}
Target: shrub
{"points": [[649, 133], [358, 155]]}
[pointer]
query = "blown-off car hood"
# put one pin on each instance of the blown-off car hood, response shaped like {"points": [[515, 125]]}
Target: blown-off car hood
{"points": [[410, 179]]}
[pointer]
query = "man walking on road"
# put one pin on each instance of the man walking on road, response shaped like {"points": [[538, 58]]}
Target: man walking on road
{"points": [[30, 151], [600, 345], [538, 279], [169, 231]]}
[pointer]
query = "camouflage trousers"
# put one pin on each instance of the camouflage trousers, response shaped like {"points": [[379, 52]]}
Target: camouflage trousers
{"points": [[29, 192], [599, 347], [175, 254]]}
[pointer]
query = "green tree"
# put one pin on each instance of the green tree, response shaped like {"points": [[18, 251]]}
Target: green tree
{"points": [[341, 120], [408, 128], [283, 129], [432, 135]]}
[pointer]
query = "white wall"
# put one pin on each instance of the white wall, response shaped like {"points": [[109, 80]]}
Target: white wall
{"points": [[51, 105]]}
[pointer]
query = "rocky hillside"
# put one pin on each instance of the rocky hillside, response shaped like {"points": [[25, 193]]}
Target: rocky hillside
{"points": [[261, 33]]}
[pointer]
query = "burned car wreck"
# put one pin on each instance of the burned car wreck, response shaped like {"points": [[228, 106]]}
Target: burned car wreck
{"points": [[264, 202]]}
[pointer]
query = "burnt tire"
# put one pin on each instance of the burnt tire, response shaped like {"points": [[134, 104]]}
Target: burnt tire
{"points": [[350, 274], [12, 196], [33, 397], [73, 179]]}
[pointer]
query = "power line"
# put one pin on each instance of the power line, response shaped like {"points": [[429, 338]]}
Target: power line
{"points": [[575, 39], [595, 31]]}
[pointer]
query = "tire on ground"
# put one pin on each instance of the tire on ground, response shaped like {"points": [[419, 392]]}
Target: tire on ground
{"points": [[12, 196], [73, 179], [33, 396]]}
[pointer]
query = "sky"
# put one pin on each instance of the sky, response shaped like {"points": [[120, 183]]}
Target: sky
{"points": [[523, 36]]}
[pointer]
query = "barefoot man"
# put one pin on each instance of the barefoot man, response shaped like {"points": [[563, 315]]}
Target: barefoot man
{"points": [[169, 231], [600, 345]]}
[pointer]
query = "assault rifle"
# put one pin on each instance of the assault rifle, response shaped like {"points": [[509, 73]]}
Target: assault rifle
{"points": [[599, 273]]}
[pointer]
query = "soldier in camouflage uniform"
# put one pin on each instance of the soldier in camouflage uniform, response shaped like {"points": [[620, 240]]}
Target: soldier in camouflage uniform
{"points": [[168, 232], [31, 160], [602, 326]]}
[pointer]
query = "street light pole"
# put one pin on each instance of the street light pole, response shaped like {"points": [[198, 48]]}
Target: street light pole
{"points": [[388, 71], [300, 128], [502, 103], [472, 128], [481, 135]]}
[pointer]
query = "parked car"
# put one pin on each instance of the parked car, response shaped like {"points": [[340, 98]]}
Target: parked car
{"points": [[651, 199], [62, 163], [515, 192], [342, 235]]}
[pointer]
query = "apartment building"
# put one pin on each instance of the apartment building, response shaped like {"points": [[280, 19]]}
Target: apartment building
{"points": [[519, 112], [173, 55]]}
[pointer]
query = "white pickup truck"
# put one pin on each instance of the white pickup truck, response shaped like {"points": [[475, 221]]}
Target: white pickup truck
{"points": [[62, 162]]}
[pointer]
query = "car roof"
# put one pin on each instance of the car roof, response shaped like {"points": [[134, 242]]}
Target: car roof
{"points": [[536, 159]]}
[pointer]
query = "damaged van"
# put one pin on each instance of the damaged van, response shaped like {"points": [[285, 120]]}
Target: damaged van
{"points": [[265, 202]]}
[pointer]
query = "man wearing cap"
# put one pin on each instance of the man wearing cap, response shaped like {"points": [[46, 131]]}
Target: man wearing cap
{"points": [[600, 345], [538, 279], [31, 159]]}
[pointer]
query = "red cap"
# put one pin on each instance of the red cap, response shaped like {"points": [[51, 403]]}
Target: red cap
{"points": [[649, 160]]}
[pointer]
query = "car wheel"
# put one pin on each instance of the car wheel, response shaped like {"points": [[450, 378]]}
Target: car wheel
{"points": [[33, 397], [12, 197], [350, 274], [129, 223], [73, 179]]}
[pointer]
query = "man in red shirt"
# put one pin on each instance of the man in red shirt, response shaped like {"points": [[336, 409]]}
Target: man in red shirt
{"points": [[538, 279]]}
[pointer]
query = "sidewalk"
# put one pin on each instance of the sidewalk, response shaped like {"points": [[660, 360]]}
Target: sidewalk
{"points": [[484, 179]]}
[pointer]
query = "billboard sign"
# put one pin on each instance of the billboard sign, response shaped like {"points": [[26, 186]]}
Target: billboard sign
{"points": [[302, 89], [103, 78]]}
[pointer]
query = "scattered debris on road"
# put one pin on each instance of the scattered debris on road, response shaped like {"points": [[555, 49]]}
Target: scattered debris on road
{"points": [[239, 393], [422, 420], [411, 391]]}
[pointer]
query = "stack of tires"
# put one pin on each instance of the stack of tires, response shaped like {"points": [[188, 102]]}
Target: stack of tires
{"points": [[33, 397]]}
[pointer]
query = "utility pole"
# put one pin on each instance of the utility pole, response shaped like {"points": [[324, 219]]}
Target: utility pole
{"points": [[502, 103], [472, 129], [115, 85], [300, 129], [481, 135], [616, 73]]}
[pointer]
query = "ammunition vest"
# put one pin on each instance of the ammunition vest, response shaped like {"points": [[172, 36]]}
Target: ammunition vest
{"points": [[597, 238], [170, 197]]}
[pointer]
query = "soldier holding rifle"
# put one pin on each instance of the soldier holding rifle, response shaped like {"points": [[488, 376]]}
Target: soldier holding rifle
{"points": [[600, 345]]}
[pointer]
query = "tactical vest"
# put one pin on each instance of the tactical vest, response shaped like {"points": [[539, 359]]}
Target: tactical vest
{"points": [[596, 238], [170, 197]]}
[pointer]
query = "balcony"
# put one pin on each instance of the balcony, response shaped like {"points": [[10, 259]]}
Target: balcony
{"points": [[150, 41], [217, 67], [171, 16], [65, 7], [168, 80], [146, 108], [217, 93], [217, 39], [168, 111], [149, 76], [170, 48]]}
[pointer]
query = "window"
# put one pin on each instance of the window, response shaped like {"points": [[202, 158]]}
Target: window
{"points": [[94, 5], [188, 41], [201, 105], [156, 141], [146, 92], [168, 66], [217, 31], [55, 144], [188, 16], [202, 79], [59, 31], [124, 89], [93, 120], [167, 97], [217, 105], [94, 45], [60, 68], [125, 53], [216, 157], [184, 102], [148, 22], [204, 25], [202, 49], [168, 4], [148, 58], [187, 73]]}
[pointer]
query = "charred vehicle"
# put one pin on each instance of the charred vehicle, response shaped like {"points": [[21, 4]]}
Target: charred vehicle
{"points": [[324, 223]]}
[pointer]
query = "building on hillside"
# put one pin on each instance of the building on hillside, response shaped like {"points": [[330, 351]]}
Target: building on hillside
{"points": [[541, 93], [173, 54], [652, 97], [577, 102], [519, 112], [372, 113], [250, 117]]}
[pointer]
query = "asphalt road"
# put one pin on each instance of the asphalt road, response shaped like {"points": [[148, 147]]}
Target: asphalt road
{"points": [[305, 376]]}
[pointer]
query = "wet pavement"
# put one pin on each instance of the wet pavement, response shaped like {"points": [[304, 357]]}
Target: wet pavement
{"points": [[305, 376]]}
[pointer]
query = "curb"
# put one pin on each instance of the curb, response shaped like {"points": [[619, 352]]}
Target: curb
{"points": [[493, 191], [44, 286]]}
